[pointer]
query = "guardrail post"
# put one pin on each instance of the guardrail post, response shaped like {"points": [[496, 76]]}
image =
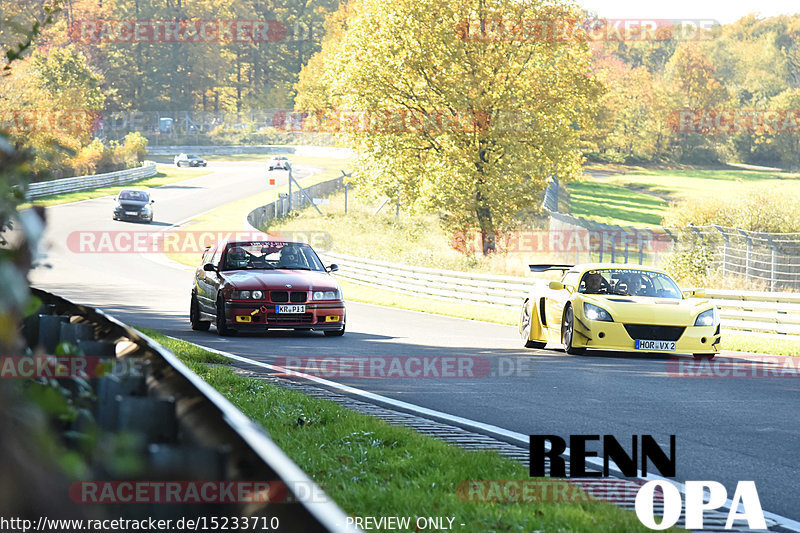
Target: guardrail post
{"points": [[290, 189]]}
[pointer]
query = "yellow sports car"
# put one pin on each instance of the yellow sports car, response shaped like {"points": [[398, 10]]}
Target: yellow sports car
{"points": [[611, 306]]}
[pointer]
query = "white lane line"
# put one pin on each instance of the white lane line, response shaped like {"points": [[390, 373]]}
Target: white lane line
{"points": [[519, 438]]}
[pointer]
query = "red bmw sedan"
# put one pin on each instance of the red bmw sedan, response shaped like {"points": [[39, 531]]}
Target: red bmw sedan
{"points": [[263, 285]]}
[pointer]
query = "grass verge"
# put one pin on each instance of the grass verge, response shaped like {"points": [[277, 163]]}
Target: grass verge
{"points": [[371, 468], [637, 196], [748, 343], [166, 174]]}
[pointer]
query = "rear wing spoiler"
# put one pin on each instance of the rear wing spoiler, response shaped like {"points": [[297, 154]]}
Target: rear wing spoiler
{"points": [[545, 268]]}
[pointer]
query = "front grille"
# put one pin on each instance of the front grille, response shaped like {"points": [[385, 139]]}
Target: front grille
{"points": [[279, 296], [654, 333], [274, 318], [298, 297], [285, 296]]}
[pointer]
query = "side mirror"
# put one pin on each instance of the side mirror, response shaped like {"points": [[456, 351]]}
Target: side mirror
{"points": [[152, 201], [555, 285], [333, 268], [208, 267], [694, 293]]}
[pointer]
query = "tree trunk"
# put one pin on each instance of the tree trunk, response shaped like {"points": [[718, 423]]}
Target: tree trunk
{"points": [[484, 214]]}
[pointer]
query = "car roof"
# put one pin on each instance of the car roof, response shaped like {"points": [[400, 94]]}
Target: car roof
{"points": [[234, 242], [134, 190], [583, 267]]}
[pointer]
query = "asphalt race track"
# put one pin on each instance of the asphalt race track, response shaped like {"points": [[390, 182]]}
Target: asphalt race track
{"points": [[727, 429]]}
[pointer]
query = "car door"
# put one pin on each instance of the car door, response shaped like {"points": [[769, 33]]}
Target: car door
{"points": [[557, 300], [208, 282]]}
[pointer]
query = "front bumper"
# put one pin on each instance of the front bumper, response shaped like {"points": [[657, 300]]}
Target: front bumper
{"points": [[139, 216], [261, 316], [613, 336]]}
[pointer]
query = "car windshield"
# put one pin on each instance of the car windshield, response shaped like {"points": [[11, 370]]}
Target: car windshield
{"points": [[193, 156], [270, 255], [137, 196], [629, 282]]}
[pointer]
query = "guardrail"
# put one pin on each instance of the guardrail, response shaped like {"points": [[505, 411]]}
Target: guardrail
{"points": [[189, 429], [768, 314], [260, 216], [84, 183]]}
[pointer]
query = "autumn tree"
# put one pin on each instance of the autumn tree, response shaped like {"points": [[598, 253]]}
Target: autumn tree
{"points": [[454, 106]]}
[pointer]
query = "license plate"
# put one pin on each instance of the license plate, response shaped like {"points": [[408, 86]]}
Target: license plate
{"points": [[290, 308], [131, 213], [655, 346]]}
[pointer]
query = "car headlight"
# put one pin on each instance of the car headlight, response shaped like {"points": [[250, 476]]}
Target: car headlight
{"points": [[257, 295], [593, 312], [326, 295], [147, 209], [240, 295], [707, 318]]}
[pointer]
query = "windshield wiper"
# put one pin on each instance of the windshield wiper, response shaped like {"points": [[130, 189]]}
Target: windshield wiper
{"points": [[292, 268]]}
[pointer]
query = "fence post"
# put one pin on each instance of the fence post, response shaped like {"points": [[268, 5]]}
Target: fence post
{"points": [[774, 248], [747, 255], [346, 186], [724, 250]]}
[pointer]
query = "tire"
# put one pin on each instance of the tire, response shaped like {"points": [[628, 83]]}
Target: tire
{"points": [[525, 328], [222, 327], [568, 331], [334, 332], [704, 356], [194, 316]]}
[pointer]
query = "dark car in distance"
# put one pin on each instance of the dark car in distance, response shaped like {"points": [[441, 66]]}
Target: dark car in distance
{"points": [[261, 285], [189, 159], [133, 204]]}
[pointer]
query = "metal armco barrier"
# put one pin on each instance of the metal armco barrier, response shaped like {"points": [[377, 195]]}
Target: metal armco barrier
{"points": [[191, 431], [84, 183], [768, 314], [257, 218]]}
